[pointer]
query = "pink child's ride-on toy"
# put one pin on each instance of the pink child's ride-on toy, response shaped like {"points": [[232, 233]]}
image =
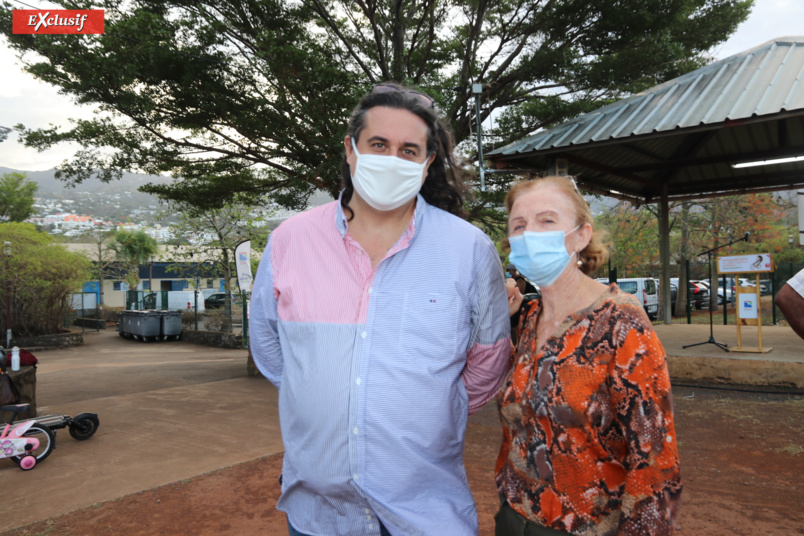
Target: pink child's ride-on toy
{"points": [[26, 443]]}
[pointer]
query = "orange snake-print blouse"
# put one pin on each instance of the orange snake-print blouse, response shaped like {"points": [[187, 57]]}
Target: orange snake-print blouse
{"points": [[589, 445]]}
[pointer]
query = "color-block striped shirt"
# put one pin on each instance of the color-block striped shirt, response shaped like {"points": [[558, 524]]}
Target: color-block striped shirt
{"points": [[379, 368]]}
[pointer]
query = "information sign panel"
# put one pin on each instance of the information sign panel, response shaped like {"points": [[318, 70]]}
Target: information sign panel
{"points": [[741, 264]]}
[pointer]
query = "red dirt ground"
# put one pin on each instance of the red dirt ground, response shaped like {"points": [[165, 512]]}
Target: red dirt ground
{"points": [[742, 460]]}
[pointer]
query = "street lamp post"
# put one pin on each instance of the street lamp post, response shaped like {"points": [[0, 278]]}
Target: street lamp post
{"points": [[7, 256]]}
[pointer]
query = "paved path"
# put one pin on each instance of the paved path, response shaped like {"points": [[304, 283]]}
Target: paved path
{"points": [[170, 411], [782, 367]]}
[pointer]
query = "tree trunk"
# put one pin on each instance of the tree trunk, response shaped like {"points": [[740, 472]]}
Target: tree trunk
{"points": [[251, 368], [227, 288], [683, 276], [683, 286]]}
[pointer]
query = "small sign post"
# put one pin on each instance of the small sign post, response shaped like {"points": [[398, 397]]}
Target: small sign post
{"points": [[749, 307]]}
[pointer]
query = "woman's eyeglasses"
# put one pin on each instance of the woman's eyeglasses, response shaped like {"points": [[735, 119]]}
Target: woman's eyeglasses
{"points": [[424, 99]]}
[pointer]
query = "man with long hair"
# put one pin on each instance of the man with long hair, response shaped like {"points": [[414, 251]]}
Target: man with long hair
{"points": [[382, 318]]}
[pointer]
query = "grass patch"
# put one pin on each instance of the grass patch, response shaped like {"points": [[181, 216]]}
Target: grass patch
{"points": [[793, 450], [797, 403]]}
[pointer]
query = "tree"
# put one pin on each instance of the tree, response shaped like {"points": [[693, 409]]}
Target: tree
{"points": [[133, 248], [102, 257], [36, 280], [215, 233], [16, 196], [633, 238], [251, 96]]}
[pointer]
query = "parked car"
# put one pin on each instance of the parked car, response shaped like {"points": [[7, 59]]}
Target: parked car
{"points": [[216, 301], [722, 293], [765, 286], [644, 288], [698, 295]]}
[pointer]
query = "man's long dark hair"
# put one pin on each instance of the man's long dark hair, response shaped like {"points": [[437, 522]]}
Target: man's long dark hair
{"points": [[444, 186]]}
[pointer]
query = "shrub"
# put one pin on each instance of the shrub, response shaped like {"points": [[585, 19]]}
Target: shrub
{"points": [[37, 280], [188, 319], [110, 314], [217, 320]]}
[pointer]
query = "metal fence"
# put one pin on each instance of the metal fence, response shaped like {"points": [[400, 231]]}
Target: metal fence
{"points": [[83, 312], [725, 313]]}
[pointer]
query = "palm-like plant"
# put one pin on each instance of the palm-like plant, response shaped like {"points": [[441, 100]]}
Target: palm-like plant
{"points": [[133, 248]]}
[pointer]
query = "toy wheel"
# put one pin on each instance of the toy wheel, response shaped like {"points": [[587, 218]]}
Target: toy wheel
{"points": [[47, 442], [27, 462], [84, 426]]}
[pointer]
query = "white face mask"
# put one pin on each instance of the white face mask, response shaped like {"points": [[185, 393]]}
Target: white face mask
{"points": [[386, 182]]}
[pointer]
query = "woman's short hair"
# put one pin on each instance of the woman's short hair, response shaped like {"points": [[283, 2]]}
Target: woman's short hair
{"points": [[596, 252], [444, 186]]}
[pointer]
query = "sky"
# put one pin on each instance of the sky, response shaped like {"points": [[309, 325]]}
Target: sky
{"points": [[23, 99]]}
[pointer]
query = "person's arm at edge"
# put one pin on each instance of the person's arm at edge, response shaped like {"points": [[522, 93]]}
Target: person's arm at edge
{"points": [[791, 303], [490, 343], [263, 333]]}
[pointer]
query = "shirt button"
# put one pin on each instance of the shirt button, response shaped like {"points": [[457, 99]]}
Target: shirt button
{"points": [[367, 510], [370, 526], [354, 430], [356, 476], [357, 381], [364, 334], [371, 290]]}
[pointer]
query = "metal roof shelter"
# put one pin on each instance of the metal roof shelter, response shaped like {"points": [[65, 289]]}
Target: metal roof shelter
{"points": [[679, 140]]}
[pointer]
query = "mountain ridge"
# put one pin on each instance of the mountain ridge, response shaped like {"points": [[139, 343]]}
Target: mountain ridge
{"points": [[50, 185]]}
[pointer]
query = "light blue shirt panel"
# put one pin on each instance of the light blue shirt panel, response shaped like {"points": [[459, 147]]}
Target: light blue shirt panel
{"points": [[263, 331]]}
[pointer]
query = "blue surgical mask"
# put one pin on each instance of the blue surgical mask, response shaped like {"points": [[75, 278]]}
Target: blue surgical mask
{"points": [[540, 257]]}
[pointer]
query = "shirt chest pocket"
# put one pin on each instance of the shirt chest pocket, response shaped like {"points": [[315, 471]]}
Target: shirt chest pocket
{"points": [[430, 323]]}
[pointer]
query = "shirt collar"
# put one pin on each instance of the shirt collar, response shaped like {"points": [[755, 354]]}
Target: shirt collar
{"points": [[343, 226]]}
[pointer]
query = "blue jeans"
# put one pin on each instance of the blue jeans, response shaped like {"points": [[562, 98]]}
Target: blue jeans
{"points": [[294, 532]]}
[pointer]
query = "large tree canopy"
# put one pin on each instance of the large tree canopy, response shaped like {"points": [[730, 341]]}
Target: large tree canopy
{"points": [[250, 97]]}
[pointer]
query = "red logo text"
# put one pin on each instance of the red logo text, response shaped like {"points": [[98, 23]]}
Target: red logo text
{"points": [[57, 21]]}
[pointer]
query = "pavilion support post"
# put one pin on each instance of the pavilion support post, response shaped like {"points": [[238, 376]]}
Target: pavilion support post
{"points": [[664, 255]]}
